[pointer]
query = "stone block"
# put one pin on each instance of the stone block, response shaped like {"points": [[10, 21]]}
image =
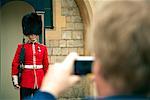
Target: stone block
{"points": [[68, 19], [72, 50], [53, 43], [74, 43], [49, 51], [75, 12], [76, 19], [66, 34], [78, 26], [70, 11], [77, 35], [64, 51], [68, 3], [62, 43], [80, 51], [56, 51], [70, 26], [63, 3], [64, 11]]}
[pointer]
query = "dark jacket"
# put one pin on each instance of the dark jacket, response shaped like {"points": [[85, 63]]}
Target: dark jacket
{"points": [[47, 96]]}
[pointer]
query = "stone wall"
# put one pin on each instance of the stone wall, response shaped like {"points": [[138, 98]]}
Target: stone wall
{"points": [[71, 37]]}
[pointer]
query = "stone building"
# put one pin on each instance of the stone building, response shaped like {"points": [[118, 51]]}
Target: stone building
{"points": [[71, 21]]}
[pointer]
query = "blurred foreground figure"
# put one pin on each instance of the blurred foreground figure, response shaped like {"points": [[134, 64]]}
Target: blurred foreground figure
{"points": [[120, 40]]}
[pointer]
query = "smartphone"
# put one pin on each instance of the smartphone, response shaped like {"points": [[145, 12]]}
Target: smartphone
{"points": [[83, 65]]}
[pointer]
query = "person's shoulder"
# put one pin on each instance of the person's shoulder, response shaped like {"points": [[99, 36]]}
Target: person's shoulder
{"points": [[19, 45]]}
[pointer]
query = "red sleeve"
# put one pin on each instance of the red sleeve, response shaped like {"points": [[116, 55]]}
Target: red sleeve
{"points": [[45, 60], [15, 62]]}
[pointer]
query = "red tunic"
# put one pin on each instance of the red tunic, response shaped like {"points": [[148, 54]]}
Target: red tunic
{"points": [[34, 54]]}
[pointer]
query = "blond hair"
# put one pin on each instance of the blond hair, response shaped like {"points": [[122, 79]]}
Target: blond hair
{"points": [[121, 41]]}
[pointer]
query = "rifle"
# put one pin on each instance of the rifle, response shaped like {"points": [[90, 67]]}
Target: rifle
{"points": [[21, 61]]}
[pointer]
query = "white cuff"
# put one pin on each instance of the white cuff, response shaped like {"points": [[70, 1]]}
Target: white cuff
{"points": [[15, 79]]}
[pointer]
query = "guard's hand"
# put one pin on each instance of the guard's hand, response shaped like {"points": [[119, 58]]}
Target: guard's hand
{"points": [[17, 86], [15, 81], [60, 76]]}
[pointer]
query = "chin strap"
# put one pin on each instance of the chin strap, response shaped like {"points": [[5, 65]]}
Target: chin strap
{"points": [[23, 41], [29, 41]]}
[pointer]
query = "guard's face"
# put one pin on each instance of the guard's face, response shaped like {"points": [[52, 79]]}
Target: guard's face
{"points": [[32, 37]]}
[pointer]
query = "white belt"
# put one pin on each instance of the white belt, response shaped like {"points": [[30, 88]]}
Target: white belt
{"points": [[33, 66]]}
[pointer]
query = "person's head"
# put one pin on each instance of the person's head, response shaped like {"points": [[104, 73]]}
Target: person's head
{"points": [[121, 43], [32, 25]]}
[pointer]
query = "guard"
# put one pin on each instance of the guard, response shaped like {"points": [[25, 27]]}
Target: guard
{"points": [[35, 58]]}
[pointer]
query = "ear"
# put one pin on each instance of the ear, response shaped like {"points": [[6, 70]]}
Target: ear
{"points": [[96, 66], [96, 76]]}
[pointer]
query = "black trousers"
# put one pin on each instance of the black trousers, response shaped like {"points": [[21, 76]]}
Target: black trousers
{"points": [[25, 92]]}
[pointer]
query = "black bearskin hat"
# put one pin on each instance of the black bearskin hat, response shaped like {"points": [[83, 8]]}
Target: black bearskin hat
{"points": [[32, 24]]}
